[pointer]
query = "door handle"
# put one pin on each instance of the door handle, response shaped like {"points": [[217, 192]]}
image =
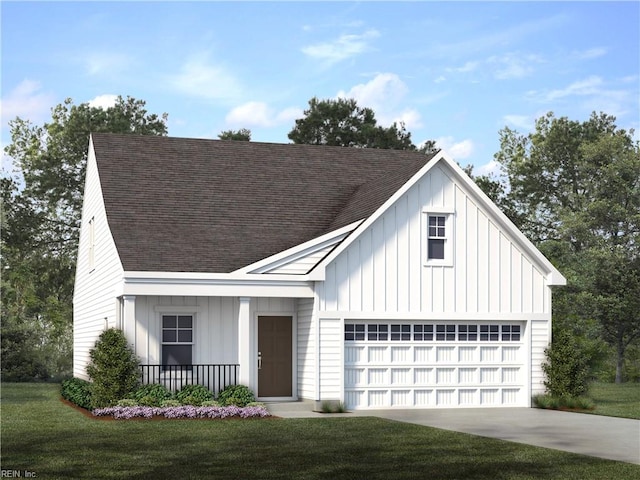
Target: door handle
{"points": [[259, 360]]}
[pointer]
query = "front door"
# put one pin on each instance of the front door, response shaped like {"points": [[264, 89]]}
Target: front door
{"points": [[274, 356]]}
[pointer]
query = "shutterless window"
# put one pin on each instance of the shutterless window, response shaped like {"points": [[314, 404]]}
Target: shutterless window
{"points": [[436, 237], [423, 332], [354, 331], [467, 333], [177, 339], [400, 332]]}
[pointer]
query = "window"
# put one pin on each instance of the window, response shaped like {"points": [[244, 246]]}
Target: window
{"points": [[177, 339], [444, 332], [436, 237]]}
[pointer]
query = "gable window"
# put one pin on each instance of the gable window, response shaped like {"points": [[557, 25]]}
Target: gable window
{"points": [[438, 228], [177, 339], [437, 236]]}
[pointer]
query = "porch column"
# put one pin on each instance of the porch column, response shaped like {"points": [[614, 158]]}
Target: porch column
{"points": [[129, 319], [245, 357]]}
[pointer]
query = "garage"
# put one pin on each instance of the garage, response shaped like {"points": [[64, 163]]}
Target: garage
{"points": [[434, 364]]}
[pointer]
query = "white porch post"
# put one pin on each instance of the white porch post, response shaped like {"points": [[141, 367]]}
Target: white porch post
{"points": [[129, 319], [245, 357]]}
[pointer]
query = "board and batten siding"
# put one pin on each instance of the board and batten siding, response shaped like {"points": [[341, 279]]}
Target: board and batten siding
{"points": [[385, 271], [95, 306], [215, 328]]}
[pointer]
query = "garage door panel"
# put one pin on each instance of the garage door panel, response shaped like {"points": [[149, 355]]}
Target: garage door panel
{"points": [[383, 373]]}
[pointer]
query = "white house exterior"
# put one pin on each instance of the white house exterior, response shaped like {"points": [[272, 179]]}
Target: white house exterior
{"points": [[416, 292]]}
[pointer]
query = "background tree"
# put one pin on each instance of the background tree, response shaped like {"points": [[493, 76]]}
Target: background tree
{"points": [[40, 227], [343, 123], [244, 134], [574, 189]]}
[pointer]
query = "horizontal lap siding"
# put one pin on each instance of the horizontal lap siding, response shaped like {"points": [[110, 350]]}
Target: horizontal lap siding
{"points": [[306, 349], [383, 271], [95, 290], [331, 351]]}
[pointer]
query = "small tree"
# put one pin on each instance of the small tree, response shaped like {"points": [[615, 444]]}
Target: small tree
{"points": [[566, 368], [113, 369]]}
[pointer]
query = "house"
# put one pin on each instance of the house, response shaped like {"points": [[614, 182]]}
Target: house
{"points": [[378, 278]]}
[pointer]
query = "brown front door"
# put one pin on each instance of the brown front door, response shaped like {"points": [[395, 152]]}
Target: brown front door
{"points": [[274, 356]]}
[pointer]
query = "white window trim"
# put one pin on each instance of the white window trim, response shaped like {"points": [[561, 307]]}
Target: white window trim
{"points": [[449, 242], [177, 311]]}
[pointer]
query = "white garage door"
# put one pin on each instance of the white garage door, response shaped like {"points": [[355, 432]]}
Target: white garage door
{"points": [[434, 365]]}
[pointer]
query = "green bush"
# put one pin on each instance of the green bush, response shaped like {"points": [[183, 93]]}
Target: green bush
{"points": [[238, 395], [77, 391], [557, 403], [127, 402], [566, 368], [152, 395], [170, 403], [211, 403], [193, 395], [113, 369]]}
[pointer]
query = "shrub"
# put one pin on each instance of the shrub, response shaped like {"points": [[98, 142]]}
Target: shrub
{"points": [[238, 395], [556, 403], [127, 402], [566, 368], [77, 391], [211, 403], [113, 369], [170, 403], [152, 395], [193, 395]]}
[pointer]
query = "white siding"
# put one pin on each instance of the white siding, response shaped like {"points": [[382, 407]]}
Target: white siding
{"points": [[215, 324], [306, 350], [384, 270], [94, 300], [331, 361], [540, 338]]}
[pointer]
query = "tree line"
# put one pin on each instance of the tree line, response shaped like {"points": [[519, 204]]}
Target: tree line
{"points": [[572, 187]]}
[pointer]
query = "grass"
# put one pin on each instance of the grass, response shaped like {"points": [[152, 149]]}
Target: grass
{"points": [[42, 435], [613, 400]]}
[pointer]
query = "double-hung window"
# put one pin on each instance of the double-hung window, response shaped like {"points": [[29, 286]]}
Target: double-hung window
{"points": [[177, 339], [439, 237]]}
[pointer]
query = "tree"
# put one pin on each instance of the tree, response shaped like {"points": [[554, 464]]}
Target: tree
{"points": [[575, 189], [40, 227], [343, 123], [244, 134]]}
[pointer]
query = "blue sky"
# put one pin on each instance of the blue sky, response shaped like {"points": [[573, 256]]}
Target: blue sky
{"points": [[455, 72]]}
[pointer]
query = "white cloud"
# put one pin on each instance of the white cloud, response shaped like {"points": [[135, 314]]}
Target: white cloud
{"points": [[490, 169], [26, 101], [103, 101], [513, 65], [199, 77], [259, 114], [384, 94], [520, 121], [343, 47], [440, 79], [466, 68], [591, 53], [458, 150], [106, 62], [589, 86]]}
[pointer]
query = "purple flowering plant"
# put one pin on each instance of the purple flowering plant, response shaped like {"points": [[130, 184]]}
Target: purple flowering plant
{"points": [[183, 411]]}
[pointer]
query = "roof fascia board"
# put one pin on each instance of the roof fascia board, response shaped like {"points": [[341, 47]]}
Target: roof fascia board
{"points": [[377, 214], [554, 277], [299, 251]]}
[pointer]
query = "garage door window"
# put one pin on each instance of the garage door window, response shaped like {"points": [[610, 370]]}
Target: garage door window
{"points": [[441, 332]]}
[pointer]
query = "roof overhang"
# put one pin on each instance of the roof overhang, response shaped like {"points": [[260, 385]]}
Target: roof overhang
{"points": [[218, 285]]}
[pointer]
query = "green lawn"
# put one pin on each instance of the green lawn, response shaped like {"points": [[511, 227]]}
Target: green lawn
{"points": [[616, 400], [41, 434]]}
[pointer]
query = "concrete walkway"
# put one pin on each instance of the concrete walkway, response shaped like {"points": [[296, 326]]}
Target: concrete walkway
{"points": [[595, 435]]}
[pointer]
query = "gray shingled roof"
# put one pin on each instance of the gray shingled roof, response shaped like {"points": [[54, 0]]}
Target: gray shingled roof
{"points": [[192, 205]]}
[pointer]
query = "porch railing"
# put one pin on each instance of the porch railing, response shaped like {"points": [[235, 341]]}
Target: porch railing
{"points": [[214, 377]]}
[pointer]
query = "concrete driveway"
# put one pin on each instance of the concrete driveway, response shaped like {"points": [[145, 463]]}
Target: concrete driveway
{"points": [[595, 435]]}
